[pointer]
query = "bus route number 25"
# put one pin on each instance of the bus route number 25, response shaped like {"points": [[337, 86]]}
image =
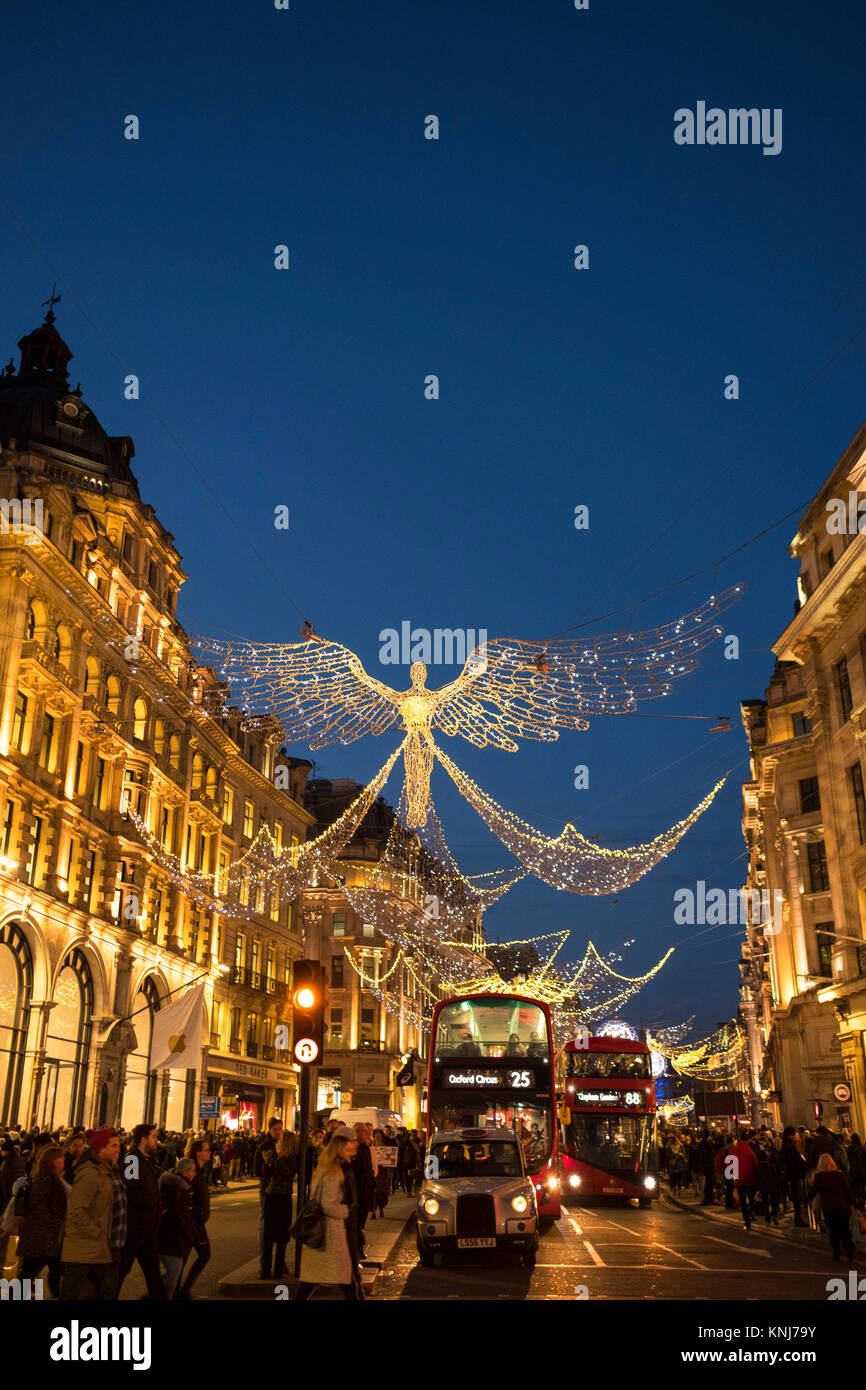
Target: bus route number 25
{"points": [[519, 1079]]}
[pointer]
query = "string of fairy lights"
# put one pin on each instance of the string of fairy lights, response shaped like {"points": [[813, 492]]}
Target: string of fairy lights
{"points": [[719, 1057]]}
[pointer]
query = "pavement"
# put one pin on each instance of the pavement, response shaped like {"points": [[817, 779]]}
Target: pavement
{"points": [[382, 1235], [689, 1199]]}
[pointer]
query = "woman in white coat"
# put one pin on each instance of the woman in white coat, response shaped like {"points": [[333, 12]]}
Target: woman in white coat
{"points": [[332, 1187]]}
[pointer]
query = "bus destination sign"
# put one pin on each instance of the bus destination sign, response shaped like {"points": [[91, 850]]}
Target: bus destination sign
{"points": [[618, 1098], [517, 1079]]}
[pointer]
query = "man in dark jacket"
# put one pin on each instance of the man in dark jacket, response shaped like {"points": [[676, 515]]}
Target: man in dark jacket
{"points": [[176, 1235], [706, 1158], [826, 1143], [263, 1162], [794, 1171], [74, 1150], [365, 1183], [139, 1173]]}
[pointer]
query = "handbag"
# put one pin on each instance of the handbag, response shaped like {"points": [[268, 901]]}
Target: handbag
{"points": [[309, 1227]]}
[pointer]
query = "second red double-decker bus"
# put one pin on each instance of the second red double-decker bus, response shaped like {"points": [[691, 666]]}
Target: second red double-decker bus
{"points": [[492, 1063], [607, 1120]]}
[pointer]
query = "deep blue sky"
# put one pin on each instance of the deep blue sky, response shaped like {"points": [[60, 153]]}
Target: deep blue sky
{"points": [[558, 387]]}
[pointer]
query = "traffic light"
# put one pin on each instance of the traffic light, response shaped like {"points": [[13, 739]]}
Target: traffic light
{"points": [[308, 1010]]}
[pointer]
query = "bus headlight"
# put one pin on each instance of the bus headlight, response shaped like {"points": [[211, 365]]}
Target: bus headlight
{"points": [[431, 1206], [650, 1183], [519, 1203], [551, 1182], [574, 1180]]}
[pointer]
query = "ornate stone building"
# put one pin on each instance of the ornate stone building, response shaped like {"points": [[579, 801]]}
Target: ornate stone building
{"points": [[366, 1043], [103, 712], [804, 820]]}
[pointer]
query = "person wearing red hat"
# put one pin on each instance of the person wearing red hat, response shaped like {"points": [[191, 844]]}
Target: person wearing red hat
{"points": [[86, 1255]]}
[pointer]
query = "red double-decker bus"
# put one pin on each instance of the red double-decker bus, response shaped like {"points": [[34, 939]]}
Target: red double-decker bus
{"points": [[492, 1063], [607, 1119]]}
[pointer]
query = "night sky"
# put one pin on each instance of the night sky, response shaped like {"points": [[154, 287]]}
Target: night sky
{"points": [[558, 387]]}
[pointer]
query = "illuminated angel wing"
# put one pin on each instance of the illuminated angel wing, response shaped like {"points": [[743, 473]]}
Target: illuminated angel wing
{"points": [[533, 689], [319, 689]]}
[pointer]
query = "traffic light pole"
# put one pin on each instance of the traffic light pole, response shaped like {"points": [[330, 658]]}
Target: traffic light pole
{"points": [[302, 1152]]}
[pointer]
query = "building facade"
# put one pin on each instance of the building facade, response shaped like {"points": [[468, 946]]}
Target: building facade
{"points": [[804, 821], [104, 715]]}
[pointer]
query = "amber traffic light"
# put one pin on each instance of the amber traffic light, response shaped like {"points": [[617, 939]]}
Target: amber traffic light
{"points": [[308, 1010]]}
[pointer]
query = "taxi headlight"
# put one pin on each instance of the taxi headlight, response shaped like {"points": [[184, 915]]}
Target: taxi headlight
{"points": [[519, 1203], [649, 1183], [574, 1180], [431, 1206], [551, 1182]]}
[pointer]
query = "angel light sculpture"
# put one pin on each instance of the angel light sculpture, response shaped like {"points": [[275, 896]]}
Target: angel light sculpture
{"points": [[507, 690]]}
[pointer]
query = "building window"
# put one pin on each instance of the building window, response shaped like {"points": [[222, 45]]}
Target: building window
{"points": [[339, 927], [826, 561], [335, 1037], [248, 818], [819, 881], [275, 904], [216, 1020], [35, 847], [197, 771], [112, 695], [228, 804], [30, 624], [255, 955], [337, 963], [159, 738], [139, 713], [843, 687], [167, 827], [855, 773], [278, 833], [240, 950], [78, 784], [174, 751], [802, 725], [368, 1024], [8, 826], [270, 964], [825, 936], [861, 970], [19, 721], [46, 746], [369, 929], [99, 790], [810, 796]]}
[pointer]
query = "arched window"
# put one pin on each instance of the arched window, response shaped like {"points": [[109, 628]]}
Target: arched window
{"points": [[36, 622], [16, 991], [197, 771], [211, 782], [174, 751], [139, 710], [112, 694], [63, 645], [140, 1090], [159, 738], [67, 1044], [91, 676]]}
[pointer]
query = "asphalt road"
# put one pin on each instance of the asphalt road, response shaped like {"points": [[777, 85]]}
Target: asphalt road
{"points": [[234, 1231], [617, 1252]]}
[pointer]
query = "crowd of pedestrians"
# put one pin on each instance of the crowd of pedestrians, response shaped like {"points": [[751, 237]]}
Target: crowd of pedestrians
{"points": [[82, 1208], [762, 1173]]}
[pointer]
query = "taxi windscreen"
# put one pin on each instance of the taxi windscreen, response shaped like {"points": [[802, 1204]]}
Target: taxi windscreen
{"points": [[476, 1159]]}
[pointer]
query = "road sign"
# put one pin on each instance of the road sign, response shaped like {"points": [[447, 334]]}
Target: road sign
{"points": [[842, 1091], [209, 1108], [306, 1050]]}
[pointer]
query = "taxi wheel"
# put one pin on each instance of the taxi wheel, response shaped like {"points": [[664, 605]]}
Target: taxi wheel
{"points": [[425, 1257], [529, 1259], [646, 1201], [545, 1225]]}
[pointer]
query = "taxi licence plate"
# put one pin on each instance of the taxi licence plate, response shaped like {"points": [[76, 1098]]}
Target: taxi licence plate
{"points": [[476, 1243]]}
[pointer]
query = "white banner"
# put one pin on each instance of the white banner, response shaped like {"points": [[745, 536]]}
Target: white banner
{"points": [[177, 1033]]}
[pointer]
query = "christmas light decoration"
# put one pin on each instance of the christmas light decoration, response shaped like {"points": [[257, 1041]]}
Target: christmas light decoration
{"points": [[507, 690], [716, 1058], [675, 1111], [617, 1028], [570, 862], [265, 867]]}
